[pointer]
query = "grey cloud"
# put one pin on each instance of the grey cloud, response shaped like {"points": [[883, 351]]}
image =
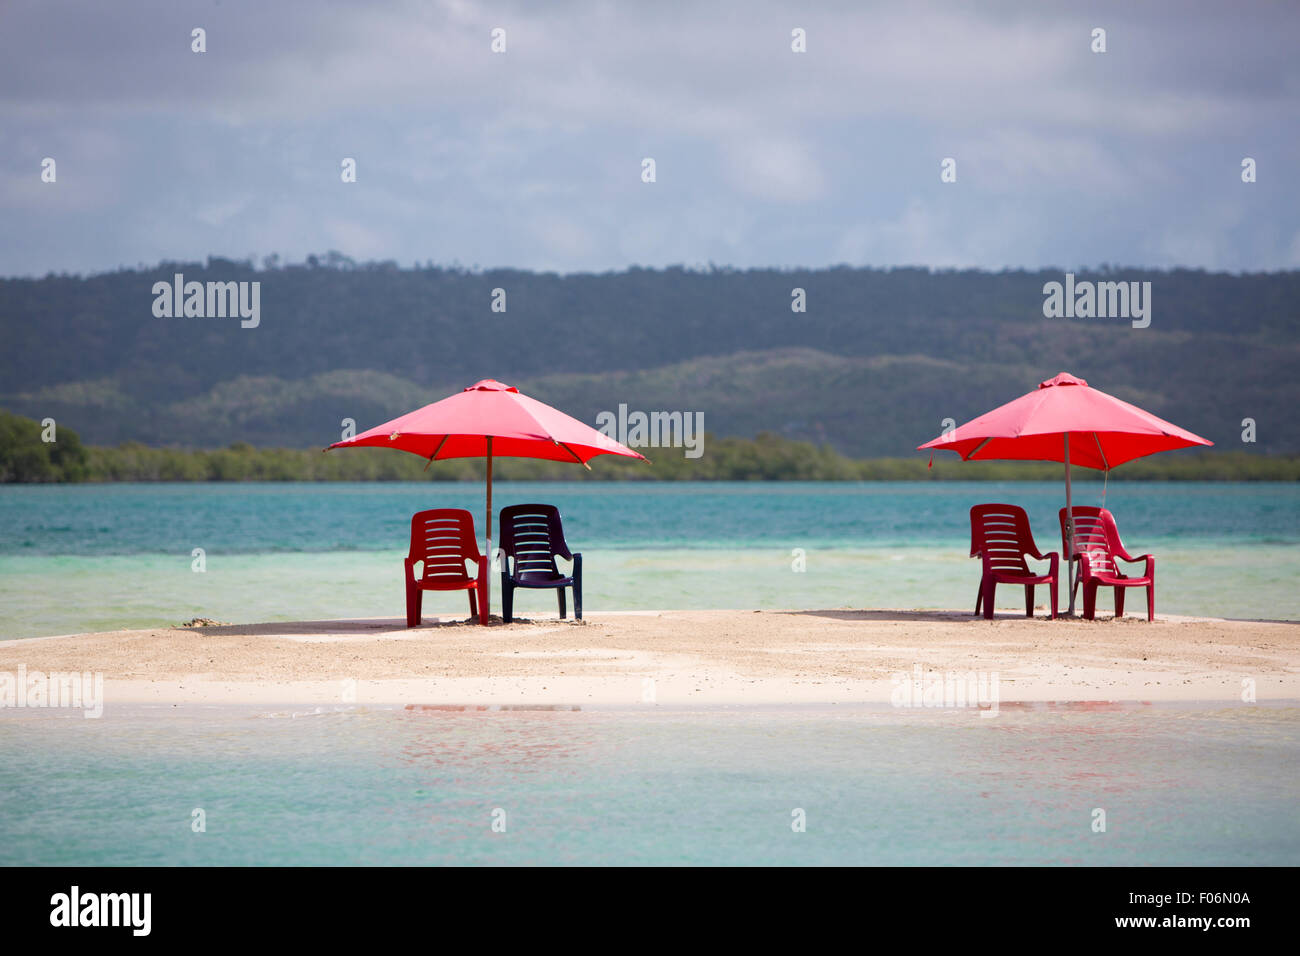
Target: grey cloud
{"points": [[532, 159]]}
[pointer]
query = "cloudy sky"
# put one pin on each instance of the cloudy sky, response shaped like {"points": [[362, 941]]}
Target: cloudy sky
{"points": [[532, 158]]}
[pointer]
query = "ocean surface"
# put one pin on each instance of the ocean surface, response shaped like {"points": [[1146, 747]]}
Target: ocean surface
{"points": [[1174, 785], [1203, 784], [95, 557]]}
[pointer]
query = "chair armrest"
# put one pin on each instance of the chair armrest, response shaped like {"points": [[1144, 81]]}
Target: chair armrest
{"points": [[1118, 551], [1033, 552], [1053, 558], [1148, 558]]}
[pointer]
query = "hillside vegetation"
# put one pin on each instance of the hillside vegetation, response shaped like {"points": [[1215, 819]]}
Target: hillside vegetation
{"points": [[878, 361]]}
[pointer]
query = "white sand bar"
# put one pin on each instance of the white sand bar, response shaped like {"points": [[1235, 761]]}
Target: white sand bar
{"points": [[679, 658]]}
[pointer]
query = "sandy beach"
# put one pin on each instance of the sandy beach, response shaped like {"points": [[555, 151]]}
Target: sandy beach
{"points": [[675, 658]]}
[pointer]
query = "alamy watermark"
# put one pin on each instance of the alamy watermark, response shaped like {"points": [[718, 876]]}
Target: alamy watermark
{"points": [[129, 910], [210, 300], [946, 689], [79, 691], [1100, 300], [655, 429]]}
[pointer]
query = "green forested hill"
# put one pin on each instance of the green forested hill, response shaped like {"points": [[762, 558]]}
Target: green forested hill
{"points": [[876, 363]]}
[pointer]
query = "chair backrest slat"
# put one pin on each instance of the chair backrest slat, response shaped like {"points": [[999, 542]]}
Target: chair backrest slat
{"points": [[443, 539], [999, 533], [1095, 535], [532, 535]]}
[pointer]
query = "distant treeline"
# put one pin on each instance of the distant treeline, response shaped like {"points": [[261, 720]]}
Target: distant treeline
{"points": [[880, 359], [26, 457]]}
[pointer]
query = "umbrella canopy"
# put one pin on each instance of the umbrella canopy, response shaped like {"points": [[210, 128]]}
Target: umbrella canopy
{"points": [[1066, 420], [490, 419], [1104, 431], [517, 426]]}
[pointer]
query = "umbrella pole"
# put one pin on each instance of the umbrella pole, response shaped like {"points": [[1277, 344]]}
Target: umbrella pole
{"points": [[1069, 527], [487, 578]]}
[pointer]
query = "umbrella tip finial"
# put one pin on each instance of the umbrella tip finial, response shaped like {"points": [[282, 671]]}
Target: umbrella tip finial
{"points": [[1062, 378], [491, 385]]}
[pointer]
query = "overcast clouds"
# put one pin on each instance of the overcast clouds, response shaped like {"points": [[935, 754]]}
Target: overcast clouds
{"points": [[532, 158]]}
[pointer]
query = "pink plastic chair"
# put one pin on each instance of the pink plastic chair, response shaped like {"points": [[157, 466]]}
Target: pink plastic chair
{"points": [[1000, 536], [443, 539], [1096, 546]]}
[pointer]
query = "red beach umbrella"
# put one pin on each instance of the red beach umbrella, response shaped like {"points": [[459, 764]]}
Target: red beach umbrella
{"points": [[1066, 420], [488, 420]]}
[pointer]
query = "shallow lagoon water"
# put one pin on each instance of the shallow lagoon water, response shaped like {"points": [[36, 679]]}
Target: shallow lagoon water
{"points": [[1208, 784], [97, 557], [1179, 784]]}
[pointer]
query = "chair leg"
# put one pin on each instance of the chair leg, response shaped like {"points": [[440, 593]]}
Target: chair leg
{"points": [[1119, 602], [473, 603], [414, 598], [979, 598], [1151, 602], [1029, 600], [559, 593], [507, 598], [1051, 591], [990, 589], [1090, 602], [577, 595]]}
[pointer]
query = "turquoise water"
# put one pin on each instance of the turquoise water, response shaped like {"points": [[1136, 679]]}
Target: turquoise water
{"points": [[1193, 784], [93, 557], [1203, 784]]}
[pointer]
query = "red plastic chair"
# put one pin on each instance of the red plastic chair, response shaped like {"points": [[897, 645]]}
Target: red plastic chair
{"points": [[443, 539], [1096, 546], [1000, 536]]}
